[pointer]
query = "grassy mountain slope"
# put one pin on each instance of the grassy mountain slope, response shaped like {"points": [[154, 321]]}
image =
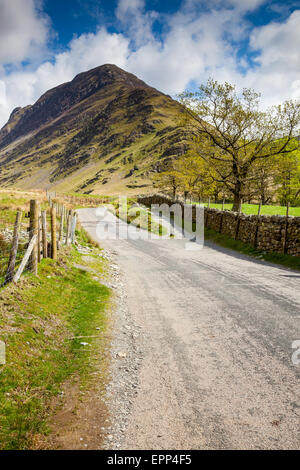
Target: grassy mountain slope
{"points": [[104, 131]]}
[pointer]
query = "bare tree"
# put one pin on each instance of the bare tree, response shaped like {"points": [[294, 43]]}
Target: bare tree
{"points": [[233, 133]]}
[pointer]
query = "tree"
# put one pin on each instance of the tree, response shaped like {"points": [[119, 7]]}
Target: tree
{"points": [[262, 185], [233, 134], [167, 181], [188, 174], [194, 175], [287, 178]]}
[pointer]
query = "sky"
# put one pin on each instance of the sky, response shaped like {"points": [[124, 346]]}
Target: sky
{"points": [[173, 45]]}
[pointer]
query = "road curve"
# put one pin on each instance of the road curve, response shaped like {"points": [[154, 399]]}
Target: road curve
{"points": [[218, 332]]}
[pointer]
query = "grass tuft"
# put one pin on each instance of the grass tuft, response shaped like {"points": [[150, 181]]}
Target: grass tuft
{"points": [[40, 322]]}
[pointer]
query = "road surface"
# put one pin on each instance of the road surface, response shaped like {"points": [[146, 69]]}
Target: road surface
{"points": [[217, 371]]}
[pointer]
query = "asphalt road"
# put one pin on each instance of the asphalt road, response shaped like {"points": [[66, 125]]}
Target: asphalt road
{"points": [[218, 332]]}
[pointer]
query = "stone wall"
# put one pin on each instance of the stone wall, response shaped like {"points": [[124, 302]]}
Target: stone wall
{"points": [[150, 199], [267, 233]]}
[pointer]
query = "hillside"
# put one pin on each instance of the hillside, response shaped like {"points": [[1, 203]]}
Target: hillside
{"points": [[104, 131]]}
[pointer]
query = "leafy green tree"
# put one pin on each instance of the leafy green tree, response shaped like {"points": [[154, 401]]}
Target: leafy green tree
{"points": [[261, 187], [188, 175], [167, 181], [233, 134], [194, 175], [287, 179]]}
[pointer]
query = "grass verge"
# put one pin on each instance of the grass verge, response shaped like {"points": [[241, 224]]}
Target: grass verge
{"points": [[265, 210], [52, 327], [288, 261]]}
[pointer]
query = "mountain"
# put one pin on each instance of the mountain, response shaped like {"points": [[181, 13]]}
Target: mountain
{"points": [[103, 132]]}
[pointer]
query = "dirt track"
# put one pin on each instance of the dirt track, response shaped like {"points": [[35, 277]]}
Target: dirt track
{"points": [[217, 330]]}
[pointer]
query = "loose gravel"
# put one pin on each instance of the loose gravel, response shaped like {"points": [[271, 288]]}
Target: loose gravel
{"points": [[126, 358]]}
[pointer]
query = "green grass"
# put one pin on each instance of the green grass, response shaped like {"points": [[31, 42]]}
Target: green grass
{"points": [[40, 321], [87, 196], [288, 261], [265, 210], [11, 202]]}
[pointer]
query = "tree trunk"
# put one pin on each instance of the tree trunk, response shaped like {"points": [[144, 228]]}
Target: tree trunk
{"points": [[237, 202], [263, 196]]}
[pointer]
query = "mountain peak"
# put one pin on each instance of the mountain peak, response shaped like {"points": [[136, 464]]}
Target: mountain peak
{"points": [[60, 99], [110, 72], [106, 127]]}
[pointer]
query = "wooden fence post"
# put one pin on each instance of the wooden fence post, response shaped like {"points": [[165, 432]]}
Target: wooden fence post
{"points": [[33, 231], [69, 219], [39, 239], [44, 234], [29, 250], [14, 249], [223, 204], [61, 226], [53, 234], [286, 228], [74, 221], [259, 209]]}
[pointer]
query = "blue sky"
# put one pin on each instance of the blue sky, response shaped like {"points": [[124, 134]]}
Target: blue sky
{"points": [[84, 16], [172, 45], [71, 17]]}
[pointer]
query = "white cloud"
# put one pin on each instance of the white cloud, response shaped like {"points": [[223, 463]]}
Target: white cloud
{"points": [[23, 30], [279, 43], [278, 63], [85, 52], [129, 7], [193, 47], [132, 15]]}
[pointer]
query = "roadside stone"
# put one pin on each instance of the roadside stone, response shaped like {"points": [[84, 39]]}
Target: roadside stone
{"points": [[122, 354]]}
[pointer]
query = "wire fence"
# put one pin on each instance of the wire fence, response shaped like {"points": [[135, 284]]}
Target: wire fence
{"points": [[33, 236], [6, 245]]}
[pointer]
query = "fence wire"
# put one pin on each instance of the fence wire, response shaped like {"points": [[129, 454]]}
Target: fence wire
{"points": [[24, 237], [6, 242]]}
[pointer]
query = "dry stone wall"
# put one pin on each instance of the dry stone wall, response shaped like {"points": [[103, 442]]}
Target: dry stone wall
{"points": [[268, 233]]}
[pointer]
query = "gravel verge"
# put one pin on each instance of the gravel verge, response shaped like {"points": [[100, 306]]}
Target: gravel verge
{"points": [[126, 358]]}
